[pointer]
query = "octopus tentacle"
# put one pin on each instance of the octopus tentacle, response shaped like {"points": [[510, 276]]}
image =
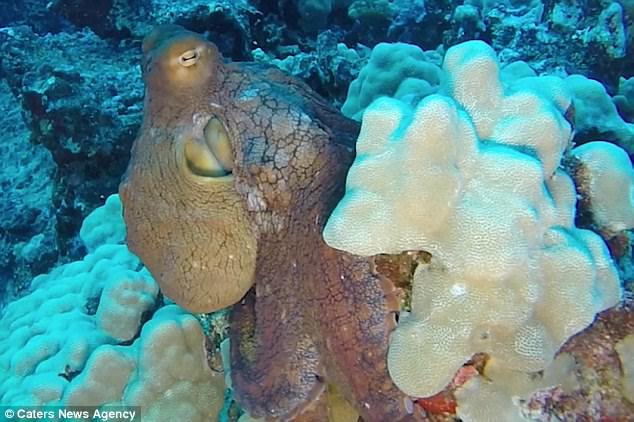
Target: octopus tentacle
{"points": [[276, 366]]}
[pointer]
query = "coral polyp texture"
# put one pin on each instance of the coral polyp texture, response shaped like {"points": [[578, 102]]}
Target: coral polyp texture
{"points": [[89, 334], [606, 179], [399, 70], [472, 175]]}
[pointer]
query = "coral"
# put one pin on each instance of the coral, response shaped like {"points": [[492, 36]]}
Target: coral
{"points": [[86, 121], [230, 23], [584, 382], [104, 225], [597, 392], [596, 116], [473, 178], [328, 70], [226, 20], [516, 70], [27, 231], [605, 179], [66, 316], [609, 31], [87, 334], [164, 372], [402, 71], [587, 38], [503, 389], [467, 21], [624, 100]]}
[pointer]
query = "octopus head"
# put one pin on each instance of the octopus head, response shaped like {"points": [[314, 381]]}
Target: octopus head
{"points": [[184, 216]]}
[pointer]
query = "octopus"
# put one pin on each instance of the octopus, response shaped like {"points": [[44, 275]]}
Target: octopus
{"points": [[232, 177]]}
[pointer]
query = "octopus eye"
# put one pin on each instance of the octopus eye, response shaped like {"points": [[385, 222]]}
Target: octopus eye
{"points": [[189, 58], [212, 156], [218, 142]]}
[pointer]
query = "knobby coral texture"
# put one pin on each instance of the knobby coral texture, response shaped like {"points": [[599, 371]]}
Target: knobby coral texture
{"points": [[91, 334], [473, 175]]}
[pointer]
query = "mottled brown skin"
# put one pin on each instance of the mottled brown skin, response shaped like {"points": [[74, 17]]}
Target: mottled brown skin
{"points": [[598, 371], [314, 316]]}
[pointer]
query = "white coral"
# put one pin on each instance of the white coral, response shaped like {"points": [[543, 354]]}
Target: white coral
{"points": [[60, 344], [472, 177]]}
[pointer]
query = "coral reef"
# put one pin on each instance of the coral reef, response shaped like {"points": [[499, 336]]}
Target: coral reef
{"points": [[605, 180], [261, 161], [328, 70], [121, 20], [27, 226], [472, 175], [402, 71], [89, 333], [80, 124], [86, 121]]}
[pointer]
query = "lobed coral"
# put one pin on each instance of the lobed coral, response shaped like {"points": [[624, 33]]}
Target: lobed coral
{"points": [[398, 70], [81, 337], [596, 114], [473, 177], [104, 226], [624, 100], [606, 180]]}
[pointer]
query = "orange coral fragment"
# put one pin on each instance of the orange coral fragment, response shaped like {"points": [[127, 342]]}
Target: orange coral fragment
{"points": [[463, 375], [444, 402], [438, 404]]}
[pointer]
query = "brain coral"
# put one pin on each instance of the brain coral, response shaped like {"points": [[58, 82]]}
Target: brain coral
{"points": [[473, 177]]}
